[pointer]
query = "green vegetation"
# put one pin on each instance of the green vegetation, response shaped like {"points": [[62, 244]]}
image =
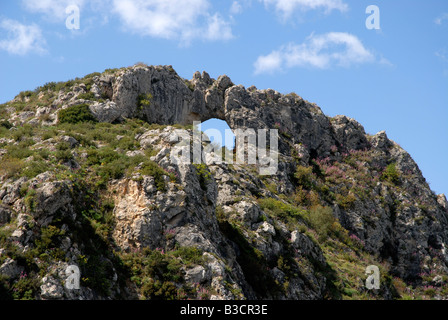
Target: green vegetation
{"points": [[304, 176], [150, 168], [110, 164], [34, 168], [158, 273], [391, 174], [204, 175], [76, 114], [6, 124], [11, 168], [282, 210], [345, 180], [345, 202], [322, 220], [143, 100], [87, 96], [189, 85]]}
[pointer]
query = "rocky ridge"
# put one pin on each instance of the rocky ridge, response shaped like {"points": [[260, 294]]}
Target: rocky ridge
{"points": [[100, 191]]}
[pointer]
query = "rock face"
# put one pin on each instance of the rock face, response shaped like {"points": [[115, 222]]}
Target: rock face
{"points": [[172, 100], [142, 224], [178, 101]]}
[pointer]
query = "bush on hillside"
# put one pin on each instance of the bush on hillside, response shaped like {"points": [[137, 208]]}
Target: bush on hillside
{"points": [[76, 114]]}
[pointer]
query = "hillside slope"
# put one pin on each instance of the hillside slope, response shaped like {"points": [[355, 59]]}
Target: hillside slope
{"points": [[86, 179]]}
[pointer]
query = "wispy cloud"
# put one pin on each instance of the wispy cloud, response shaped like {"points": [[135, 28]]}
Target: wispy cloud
{"points": [[236, 8], [318, 51], [21, 39], [52, 9], [93, 13], [175, 19], [439, 20], [442, 54], [287, 7]]}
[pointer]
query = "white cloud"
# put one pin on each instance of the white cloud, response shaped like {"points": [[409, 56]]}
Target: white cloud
{"points": [[21, 39], [439, 20], [236, 8], [318, 51], [385, 62], [269, 63], [175, 19], [442, 54], [218, 29], [52, 9], [287, 7]]}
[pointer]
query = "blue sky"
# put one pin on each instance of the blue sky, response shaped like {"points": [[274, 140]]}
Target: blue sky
{"points": [[393, 79]]}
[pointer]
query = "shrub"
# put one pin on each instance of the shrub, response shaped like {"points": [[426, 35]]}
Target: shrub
{"points": [[346, 202], [158, 290], [140, 64], [35, 168], [83, 140], [25, 288], [25, 131], [281, 209], [125, 143], [322, 220], [30, 199], [158, 274], [87, 96], [304, 176], [102, 156], [143, 100], [18, 152], [92, 75], [63, 155], [50, 237], [49, 134], [76, 114], [25, 94], [391, 174], [45, 117], [306, 198], [430, 291], [150, 168], [190, 255], [204, 174], [112, 170], [112, 70], [52, 86], [43, 153], [6, 124], [189, 85], [62, 146], [11, 167]]}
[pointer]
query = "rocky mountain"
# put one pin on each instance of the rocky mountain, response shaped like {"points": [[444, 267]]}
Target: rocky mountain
{"points": [[87, 180]]}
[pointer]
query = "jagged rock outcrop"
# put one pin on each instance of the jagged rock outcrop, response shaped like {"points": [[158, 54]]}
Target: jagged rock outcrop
{"points": [[111, 199]]}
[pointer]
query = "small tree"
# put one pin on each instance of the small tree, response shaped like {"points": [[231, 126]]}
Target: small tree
{"points": [[143, 100], [76, 114], [391, 174]]}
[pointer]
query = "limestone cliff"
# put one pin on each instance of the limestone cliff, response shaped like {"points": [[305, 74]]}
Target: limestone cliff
{"points": [[87, 180]]}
